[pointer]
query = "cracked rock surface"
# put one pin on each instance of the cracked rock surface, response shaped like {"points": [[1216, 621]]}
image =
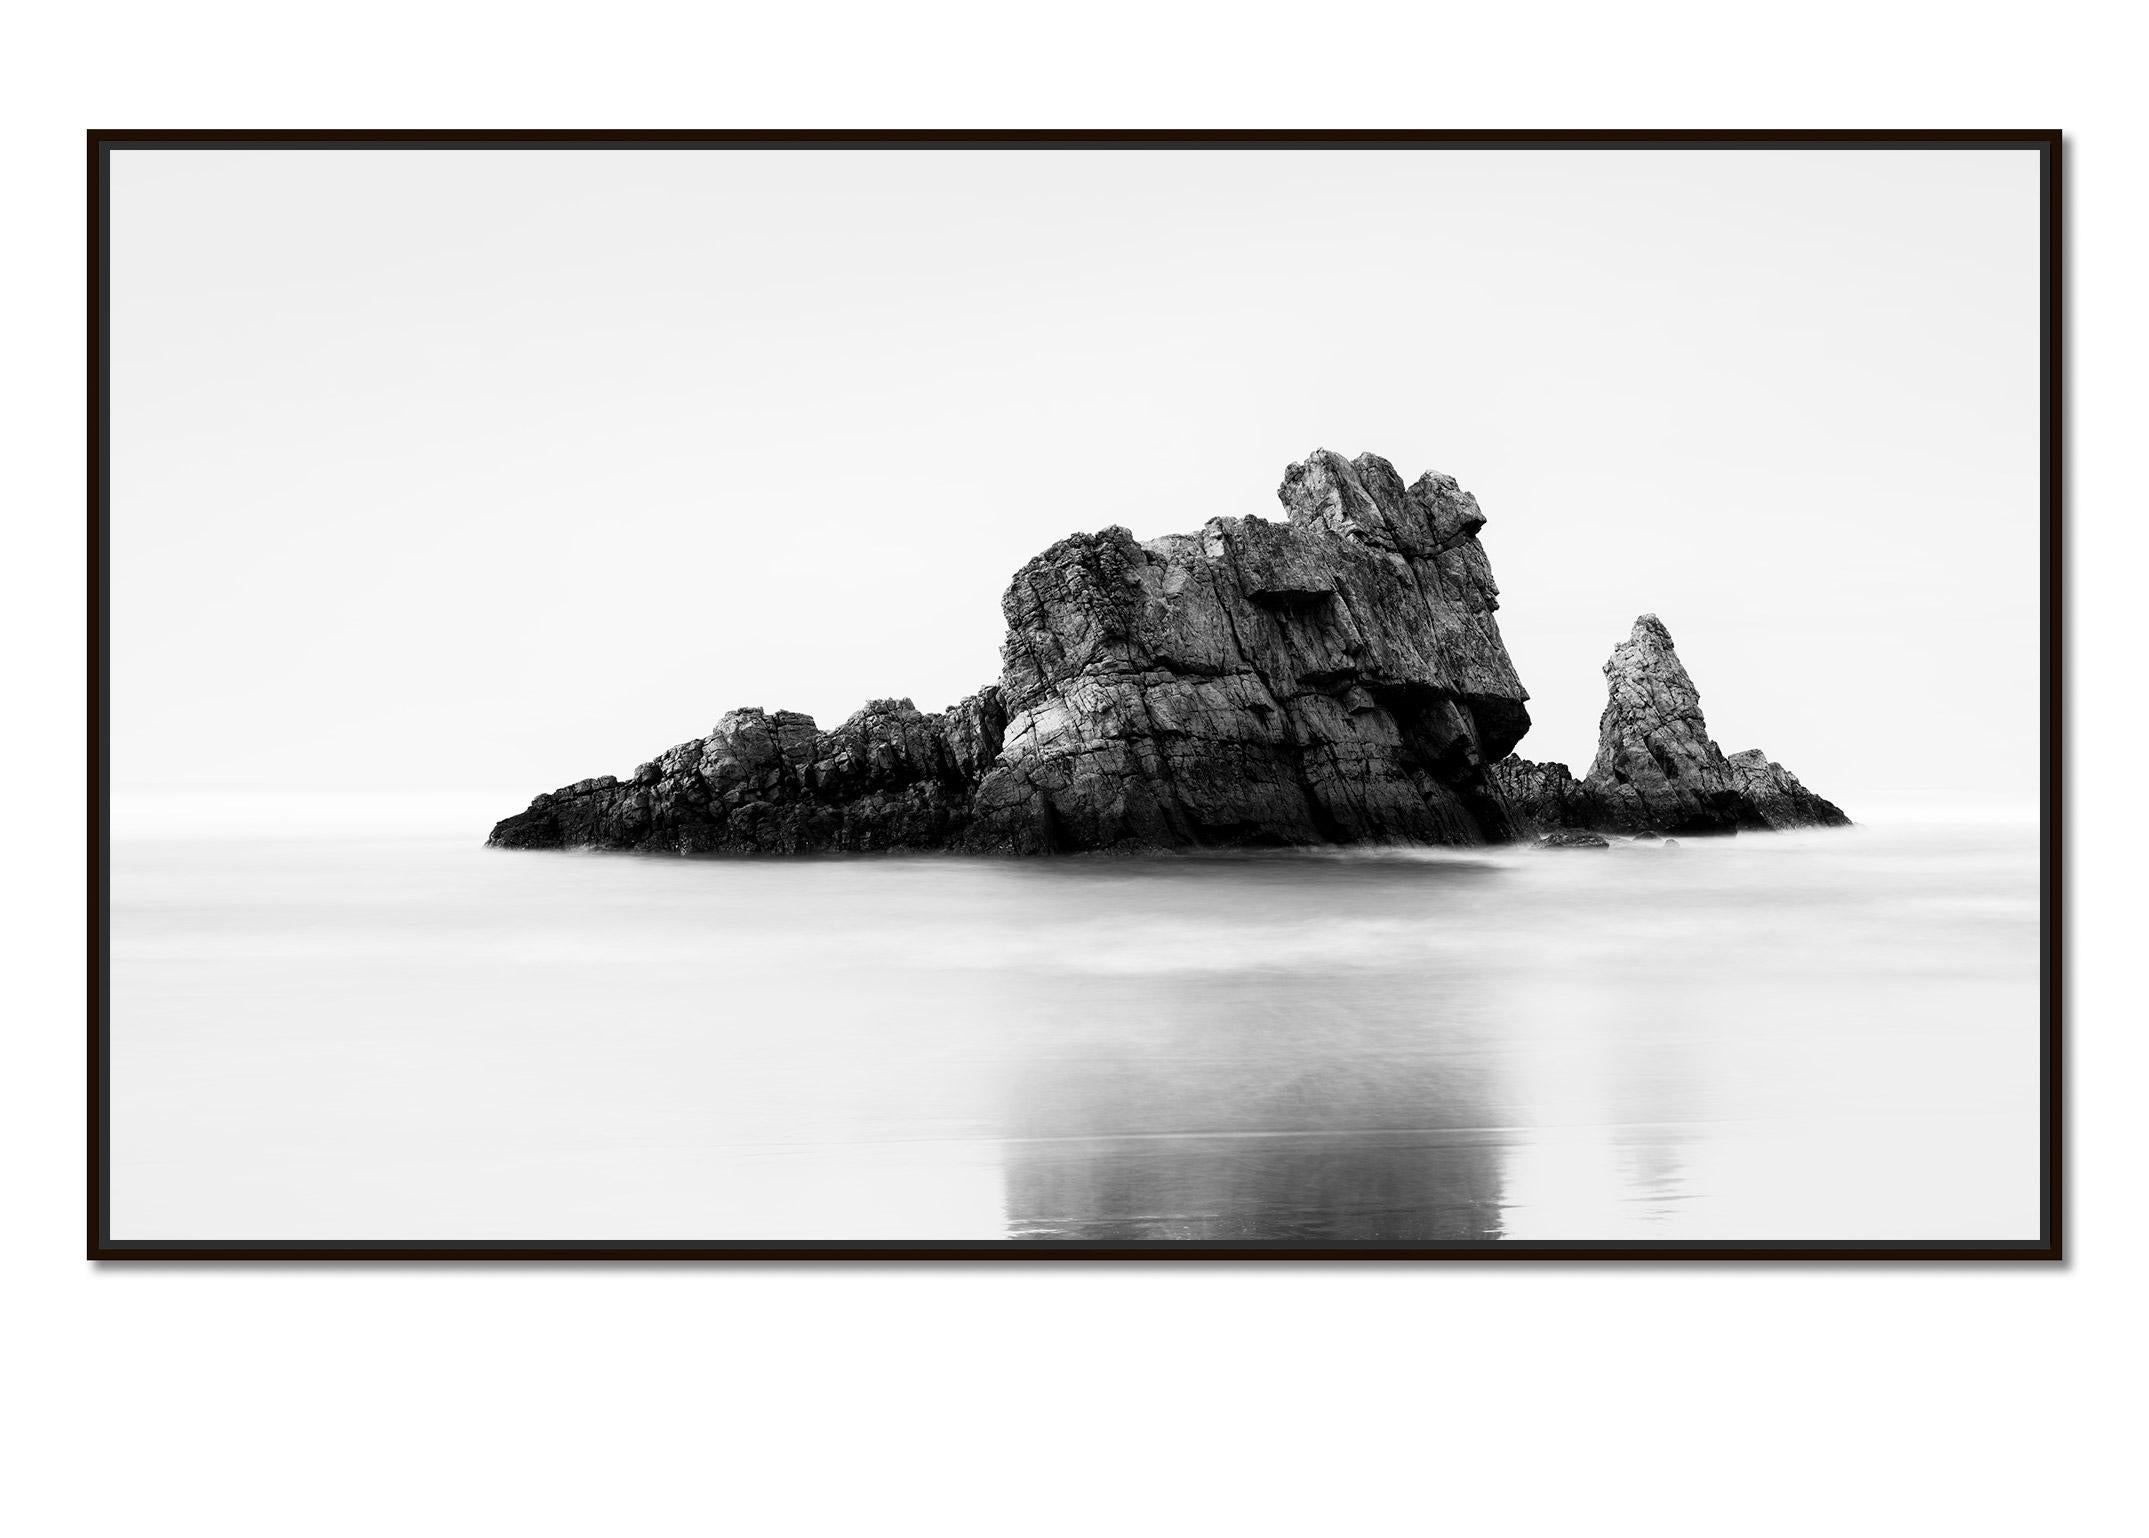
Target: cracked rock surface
{"points": [[1773, 793], [1336, 677], [770, 782], [1657, 770]]}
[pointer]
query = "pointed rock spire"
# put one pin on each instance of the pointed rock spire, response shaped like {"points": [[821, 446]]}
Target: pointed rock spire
{"points": [[1657, 768], [1655, 765]]}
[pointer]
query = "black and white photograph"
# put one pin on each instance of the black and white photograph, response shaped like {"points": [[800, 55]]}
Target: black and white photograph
{"points": [[1152, 769], [1129, 695]]}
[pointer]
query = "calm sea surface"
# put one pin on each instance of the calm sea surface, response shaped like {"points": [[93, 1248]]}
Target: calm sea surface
{"points": [[346, 1021]]}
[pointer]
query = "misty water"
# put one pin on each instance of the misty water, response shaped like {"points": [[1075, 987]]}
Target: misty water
{"points": [[353, 1022]]}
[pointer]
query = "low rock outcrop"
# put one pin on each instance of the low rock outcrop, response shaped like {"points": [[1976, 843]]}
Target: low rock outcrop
{"points": [[770, 782], [1573, 838], [1774, 794], [1657, 770], [1337, 677]]}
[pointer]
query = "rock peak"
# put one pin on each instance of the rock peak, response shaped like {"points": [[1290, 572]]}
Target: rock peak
{"points": [[1649, 631], [1365, 500], [1656, 765]]}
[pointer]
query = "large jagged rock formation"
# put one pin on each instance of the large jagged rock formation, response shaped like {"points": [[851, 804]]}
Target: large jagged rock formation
{"points": [[1656, 768], [1335, 678], [1338, 678]]}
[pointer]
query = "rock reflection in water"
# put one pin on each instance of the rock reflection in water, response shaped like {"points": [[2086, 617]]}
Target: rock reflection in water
{"points": [[1408, 1187], [1249, 1087]]}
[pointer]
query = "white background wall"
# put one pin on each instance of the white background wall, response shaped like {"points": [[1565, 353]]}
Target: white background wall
{"points": [[1533, 1399]]}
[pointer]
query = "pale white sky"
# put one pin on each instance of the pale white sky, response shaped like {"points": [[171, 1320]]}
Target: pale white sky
{"points": [[483, 468]]}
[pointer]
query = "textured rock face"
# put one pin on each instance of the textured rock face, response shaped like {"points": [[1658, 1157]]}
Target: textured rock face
{"points": [[891, 777], [1774, 794], [1656, 768], [1541, 797], [1338, 677]]}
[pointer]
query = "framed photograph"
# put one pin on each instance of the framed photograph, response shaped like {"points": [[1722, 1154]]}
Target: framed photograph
{"points": [[1075, 695]]}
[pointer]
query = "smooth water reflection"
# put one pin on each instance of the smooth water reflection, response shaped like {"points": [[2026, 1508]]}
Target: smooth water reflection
{"points": [[1828, 1036]]}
